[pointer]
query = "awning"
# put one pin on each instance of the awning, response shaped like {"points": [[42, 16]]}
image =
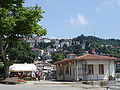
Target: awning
{"points": [[22, 67]]}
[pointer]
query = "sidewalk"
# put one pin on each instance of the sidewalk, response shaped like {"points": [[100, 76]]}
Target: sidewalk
{"points": [[64, 83], [48, 82]]}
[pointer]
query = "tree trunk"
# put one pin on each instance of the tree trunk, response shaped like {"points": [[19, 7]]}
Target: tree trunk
{"points": [[6, 71], [4, 59]]}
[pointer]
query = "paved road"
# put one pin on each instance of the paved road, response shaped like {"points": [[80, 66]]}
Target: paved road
{"points": [[43, 87]]}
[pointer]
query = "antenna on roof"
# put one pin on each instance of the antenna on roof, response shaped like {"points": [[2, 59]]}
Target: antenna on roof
{"points": [[94, 33]]}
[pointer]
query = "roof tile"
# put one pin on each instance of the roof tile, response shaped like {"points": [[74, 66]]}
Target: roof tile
{"points": [[86, 57]]}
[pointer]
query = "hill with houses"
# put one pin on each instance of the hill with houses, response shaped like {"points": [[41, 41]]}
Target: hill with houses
{"points": [[46, 48]]}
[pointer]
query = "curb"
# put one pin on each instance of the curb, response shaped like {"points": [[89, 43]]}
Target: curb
{"points": [[53, 83]]}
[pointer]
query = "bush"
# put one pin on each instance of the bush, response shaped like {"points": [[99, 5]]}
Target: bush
{"points": [[28, 78], [111, 77]]}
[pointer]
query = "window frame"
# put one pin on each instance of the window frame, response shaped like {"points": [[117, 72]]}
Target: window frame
{"points": [[101, 69], [90, 69]]}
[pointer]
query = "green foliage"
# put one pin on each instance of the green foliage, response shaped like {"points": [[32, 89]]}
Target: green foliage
{"points": [[21, 52], [1, 65], [17, 22], [110, 47], [57, 57]]}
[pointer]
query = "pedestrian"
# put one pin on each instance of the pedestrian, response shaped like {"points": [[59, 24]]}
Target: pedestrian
{"points": [[39, 75]]}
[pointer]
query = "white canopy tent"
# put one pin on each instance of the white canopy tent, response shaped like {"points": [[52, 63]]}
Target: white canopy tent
{"points": [[22, 68]]}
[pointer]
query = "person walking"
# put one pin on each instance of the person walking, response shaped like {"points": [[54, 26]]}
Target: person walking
{"points": [[39, 75]]}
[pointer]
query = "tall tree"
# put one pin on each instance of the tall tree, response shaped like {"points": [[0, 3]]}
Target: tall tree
{"points": [[17, 22], [57, 57], [20, 52]]}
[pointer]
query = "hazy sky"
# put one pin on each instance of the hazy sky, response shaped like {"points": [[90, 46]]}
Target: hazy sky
{"points": [[71, 18]]}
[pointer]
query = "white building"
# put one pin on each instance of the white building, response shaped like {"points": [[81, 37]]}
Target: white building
{"points": [[45, 40], [65, 43], [70, 55], [45, 67], [51, 49], [31, 42], [86, 67]]}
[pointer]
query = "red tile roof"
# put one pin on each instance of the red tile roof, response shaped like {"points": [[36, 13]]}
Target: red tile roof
{"points": [[94, 57], [64, 61], [87, 57], [71, 54]]}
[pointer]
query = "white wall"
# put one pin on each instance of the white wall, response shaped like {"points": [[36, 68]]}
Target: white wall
{"points": [[109, 69], [77, 70]]}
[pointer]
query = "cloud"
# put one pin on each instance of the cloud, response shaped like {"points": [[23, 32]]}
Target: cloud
{"points": [[79, 20], [106, 4]]}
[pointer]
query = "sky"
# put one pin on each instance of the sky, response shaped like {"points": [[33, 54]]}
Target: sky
{"points": [[71, 18]]}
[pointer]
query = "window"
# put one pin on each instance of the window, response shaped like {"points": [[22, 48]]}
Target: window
{"points": [[101, 69], [90, 70]]}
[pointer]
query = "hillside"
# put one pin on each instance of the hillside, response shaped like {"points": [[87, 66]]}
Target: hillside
{"points": [[110, 47], [79, 46]]}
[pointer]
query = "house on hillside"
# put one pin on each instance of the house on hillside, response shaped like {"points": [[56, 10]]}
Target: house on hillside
{"points": [[46, 68], [71, 55], [86, 67]]}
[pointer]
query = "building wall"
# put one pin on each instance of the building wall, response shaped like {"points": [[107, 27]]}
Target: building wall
{"points": [[109, 69], [78, 70], [66, 71], [81, 70]]}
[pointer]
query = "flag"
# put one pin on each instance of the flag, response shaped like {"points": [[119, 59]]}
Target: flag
{"points": [[93, 52]]}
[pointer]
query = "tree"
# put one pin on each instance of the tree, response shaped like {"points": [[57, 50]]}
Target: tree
{"points": [[17, 22], [57, 57], [20, 52]]}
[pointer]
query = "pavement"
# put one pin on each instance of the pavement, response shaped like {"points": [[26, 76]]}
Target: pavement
{"points": [[44, 87], [48, 82], [64, 83], [54, 84]]}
